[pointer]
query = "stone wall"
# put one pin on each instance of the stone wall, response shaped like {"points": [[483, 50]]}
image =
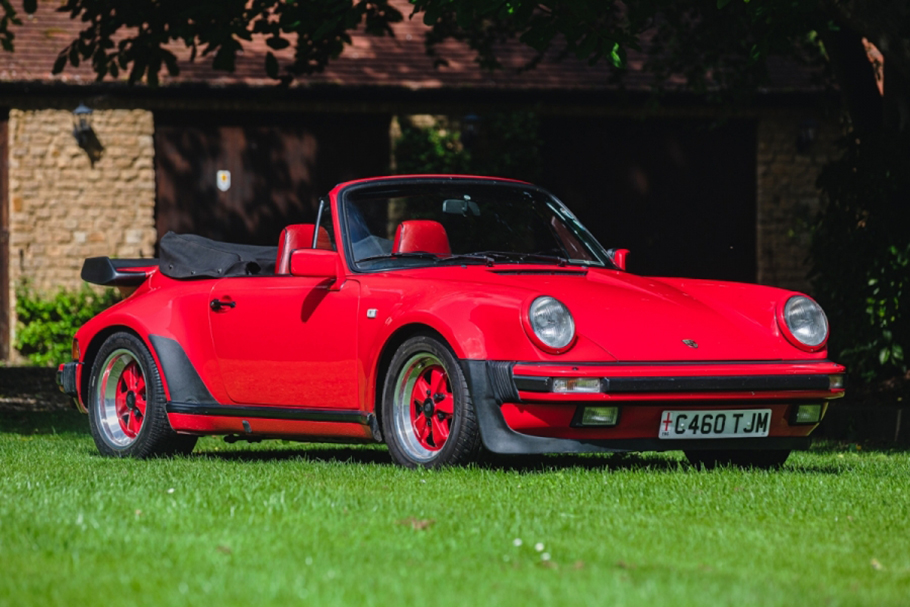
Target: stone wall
{"points": [[788, 198], [63, 209]]}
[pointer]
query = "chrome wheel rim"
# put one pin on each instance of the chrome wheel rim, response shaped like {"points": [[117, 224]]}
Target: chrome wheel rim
{"points": [[121, 398], [423, 407]]}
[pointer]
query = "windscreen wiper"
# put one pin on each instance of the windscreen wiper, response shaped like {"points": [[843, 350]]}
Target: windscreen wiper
{"points": [[519, 257], [424, 255], [411, 254], [487, 259]]}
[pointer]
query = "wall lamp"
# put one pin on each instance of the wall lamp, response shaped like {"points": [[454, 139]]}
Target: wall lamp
{"points": [[85, 135]]}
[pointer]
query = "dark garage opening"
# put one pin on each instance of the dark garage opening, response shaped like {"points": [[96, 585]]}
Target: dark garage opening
{"points": [[680, 194]]}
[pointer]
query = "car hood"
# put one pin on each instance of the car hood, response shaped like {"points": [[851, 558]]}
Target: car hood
{"points": [[636, 318]]}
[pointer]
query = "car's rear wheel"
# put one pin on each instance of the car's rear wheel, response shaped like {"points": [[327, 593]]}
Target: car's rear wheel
{"points": [[126, 403], [428, 417], [746, 458]]}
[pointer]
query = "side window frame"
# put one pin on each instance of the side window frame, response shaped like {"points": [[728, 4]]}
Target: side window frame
{"points": [[324, 215]]}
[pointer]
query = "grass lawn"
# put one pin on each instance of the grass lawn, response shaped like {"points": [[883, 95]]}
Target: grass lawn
{"points": [[286, 524]]}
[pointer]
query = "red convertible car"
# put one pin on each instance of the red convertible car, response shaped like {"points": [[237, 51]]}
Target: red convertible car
{"points": [[445, 316]]}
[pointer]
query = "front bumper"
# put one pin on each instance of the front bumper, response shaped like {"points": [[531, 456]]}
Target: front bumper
{"points": [[519, 412]]}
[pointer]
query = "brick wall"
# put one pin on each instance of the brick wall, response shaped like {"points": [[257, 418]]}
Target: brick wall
{"points": [[62, 209], [787, 196]]}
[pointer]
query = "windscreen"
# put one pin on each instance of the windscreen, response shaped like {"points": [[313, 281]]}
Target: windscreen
{"points": [[431, 223]]}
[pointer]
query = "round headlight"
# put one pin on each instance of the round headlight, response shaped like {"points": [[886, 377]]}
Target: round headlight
{"points": [[806, 321], [552, 323]]}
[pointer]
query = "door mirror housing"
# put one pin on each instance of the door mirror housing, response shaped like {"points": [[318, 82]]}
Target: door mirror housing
{"points": [[318, 263], [618, 257]]}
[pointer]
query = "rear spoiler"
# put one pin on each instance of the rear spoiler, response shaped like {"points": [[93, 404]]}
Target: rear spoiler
{"points": [[117, 272]]}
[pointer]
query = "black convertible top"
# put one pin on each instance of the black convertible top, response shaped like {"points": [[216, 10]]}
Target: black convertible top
{"points": [[192, 256]]}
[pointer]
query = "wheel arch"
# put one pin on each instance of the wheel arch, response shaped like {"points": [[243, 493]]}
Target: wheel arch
{"points": [[401, 335], [91, 353]]}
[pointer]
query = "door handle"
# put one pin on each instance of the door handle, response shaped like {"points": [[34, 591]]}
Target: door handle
{"points": [[217, 304]]}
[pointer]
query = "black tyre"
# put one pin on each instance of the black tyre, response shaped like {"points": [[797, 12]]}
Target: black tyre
{"points": [[428, 417], [747, 458], [126, 404]]}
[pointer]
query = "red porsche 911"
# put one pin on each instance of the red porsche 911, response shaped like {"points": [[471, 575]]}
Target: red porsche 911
{"points": [[445, 316]]}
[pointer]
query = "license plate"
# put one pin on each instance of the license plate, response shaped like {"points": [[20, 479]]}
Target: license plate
{"points": [[749, 423]]}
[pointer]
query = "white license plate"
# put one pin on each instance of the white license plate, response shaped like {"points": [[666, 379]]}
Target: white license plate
{"points": [[740, 423]]}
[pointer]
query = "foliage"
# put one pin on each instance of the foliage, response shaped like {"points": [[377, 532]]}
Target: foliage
{"points": [[506, 144], [46, 324], [434, 148], [861, 255], [137, 35], [730, 40]]}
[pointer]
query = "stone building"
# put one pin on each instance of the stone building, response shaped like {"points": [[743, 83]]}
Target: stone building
{"points": [[686, 193]]}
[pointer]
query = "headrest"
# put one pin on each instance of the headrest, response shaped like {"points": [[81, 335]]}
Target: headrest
{"points": [[298, 236], [421, 235]]}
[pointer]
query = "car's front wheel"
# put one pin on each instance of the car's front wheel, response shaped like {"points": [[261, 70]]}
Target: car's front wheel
{"points": [[126, 403], [428, 417], [766, 459]]}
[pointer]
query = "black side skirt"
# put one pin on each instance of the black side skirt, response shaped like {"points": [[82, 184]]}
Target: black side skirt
{"points": [[345, 416]]}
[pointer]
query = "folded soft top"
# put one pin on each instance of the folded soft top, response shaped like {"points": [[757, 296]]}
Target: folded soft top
{"points": [[192, 256]]}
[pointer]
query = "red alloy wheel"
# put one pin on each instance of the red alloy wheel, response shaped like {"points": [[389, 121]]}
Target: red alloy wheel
{"points": [[126, 402], [122, 398], [130, 399], [432, 407], [427, 415]]}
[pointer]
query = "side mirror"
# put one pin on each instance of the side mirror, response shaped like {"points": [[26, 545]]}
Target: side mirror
{"points": [[318, 263], [618, 257]]}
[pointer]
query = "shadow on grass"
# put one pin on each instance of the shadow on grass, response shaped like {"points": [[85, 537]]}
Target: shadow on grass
{"points": [[341, 454], [43, 422], [31, 423], [535, 464], [521, 464], [827, 446], [514, 464]]}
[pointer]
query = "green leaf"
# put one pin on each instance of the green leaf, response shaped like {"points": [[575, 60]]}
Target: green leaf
{"points": [[617, 57], [722, 3], [30, 6]]}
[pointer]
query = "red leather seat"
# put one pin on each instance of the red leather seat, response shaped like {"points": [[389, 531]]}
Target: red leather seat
{"points": [[298, 236], [421, 235]]}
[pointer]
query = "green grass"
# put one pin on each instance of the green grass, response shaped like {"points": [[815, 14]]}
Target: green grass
{"points": [[286, 524]]}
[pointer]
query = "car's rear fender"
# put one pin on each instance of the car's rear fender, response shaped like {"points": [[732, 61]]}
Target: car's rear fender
{"points": [[91, 343], [177, 314]]}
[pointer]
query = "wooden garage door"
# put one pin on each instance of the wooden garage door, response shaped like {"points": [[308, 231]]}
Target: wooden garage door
{"points": [[273, 168]]}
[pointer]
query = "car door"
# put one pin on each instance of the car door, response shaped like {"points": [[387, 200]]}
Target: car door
{"points": [[286, 341]]}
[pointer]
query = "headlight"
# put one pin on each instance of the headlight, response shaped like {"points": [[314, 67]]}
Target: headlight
{"points": [[805, 321], [551, 324]]}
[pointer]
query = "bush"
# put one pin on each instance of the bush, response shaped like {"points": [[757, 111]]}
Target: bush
{"points": [[861, 255], [435, 149], [46, 324], [508, 145]]}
